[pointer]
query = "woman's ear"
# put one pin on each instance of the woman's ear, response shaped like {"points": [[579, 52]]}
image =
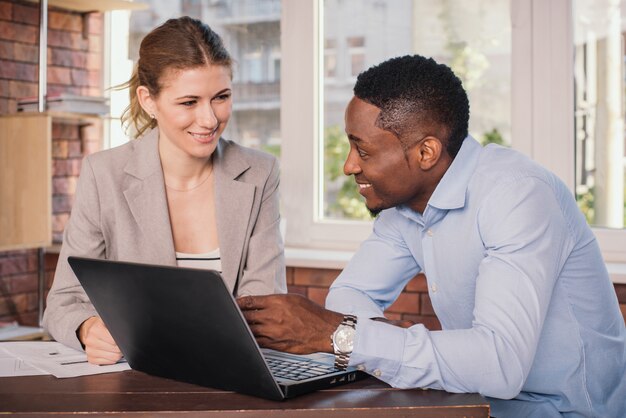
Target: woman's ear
{"points": [[145, 100]]}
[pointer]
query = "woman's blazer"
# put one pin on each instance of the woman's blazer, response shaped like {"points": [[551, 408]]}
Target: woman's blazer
{"points": [[120, 212]]}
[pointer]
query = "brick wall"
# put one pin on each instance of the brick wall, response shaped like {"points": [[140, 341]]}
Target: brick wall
{"points": [[74, 67]]}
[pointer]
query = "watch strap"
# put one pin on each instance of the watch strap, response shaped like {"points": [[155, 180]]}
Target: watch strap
{"points": [[342, 358]]}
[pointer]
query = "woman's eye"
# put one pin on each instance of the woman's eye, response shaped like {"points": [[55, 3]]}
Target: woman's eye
{"points": [[189, 103], [222, 97]]}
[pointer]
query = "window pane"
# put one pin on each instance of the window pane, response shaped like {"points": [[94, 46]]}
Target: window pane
{"points": [[599, 29], [250, 30], [473, 37]]}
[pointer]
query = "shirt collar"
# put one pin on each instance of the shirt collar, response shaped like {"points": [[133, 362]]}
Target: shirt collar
{"points": [[451, 190]]}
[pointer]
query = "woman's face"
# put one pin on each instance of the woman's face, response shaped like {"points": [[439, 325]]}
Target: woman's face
{"points": [[192, 109]]}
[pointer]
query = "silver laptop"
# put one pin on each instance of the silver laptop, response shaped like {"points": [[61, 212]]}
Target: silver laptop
{"points": [[184, 324]]}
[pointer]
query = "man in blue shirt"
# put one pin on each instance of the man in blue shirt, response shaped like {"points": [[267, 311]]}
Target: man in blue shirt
{"points": [[530, 317]]}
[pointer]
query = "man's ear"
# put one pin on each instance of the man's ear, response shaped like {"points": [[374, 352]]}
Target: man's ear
{"points": [[146, 100], [428, 152]]}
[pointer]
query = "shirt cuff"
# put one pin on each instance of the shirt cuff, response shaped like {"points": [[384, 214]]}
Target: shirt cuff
{"points": [[378, 349]]}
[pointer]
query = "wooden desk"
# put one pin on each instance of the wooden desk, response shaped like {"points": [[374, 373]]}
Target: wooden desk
{"points": [[136, 394]]}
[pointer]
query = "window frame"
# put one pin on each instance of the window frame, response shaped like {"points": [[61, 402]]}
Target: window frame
{"points": [[542, 106]]}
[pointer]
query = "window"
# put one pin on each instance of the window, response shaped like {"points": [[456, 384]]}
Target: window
{"points": [[599, 115], [479, 52], [251, 32]]}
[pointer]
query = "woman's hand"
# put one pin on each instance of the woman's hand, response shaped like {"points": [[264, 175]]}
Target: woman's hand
{"points": [[99, 344]]}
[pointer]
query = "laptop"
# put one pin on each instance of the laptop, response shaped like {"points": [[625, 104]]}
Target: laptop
{"points": [[184, 324]]}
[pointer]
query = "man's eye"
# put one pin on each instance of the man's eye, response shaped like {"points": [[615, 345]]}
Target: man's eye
{"points": [[361, 153]]}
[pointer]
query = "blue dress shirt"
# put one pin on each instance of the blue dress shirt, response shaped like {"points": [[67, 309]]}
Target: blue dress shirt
{"points": [[529, 315]]}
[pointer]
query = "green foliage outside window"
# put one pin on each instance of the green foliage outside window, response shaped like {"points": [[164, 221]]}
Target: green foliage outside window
{"points": [[348, 203]]}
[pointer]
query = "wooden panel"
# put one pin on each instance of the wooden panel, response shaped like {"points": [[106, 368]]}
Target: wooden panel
{"points": [[96, 6], [25, 181]]}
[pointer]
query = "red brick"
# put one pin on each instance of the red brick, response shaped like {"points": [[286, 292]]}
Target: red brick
{"points": [[66, 167], [21, 89], [22, 283], [89, 147], [57, 237], [94, 61], [8, 69], [95, 43], [620, 290], [29, 318], [68, 40], [59, 221], [417, 284], [4, 106], [51, 260], [94, 78], [60, 148], [406, 303], [289, 272], [57, 89], [6, 50], [430, 321], [21, 262], [64, 185], [622, 307], [96, 23], [300, 290], [75, 149], [427, 306], [18, 32], [62, 203], [318, 295], [80, 77], [60, 57], [393, 316], [59, 75], [6, 10], [64, 131], [65, 21], [4, 88], [315, 277], [26, 52], [93, 131], [26, 14], [27, 72]]}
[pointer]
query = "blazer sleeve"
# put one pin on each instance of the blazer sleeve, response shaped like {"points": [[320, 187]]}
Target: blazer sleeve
{"points": [[67, 304], [264, 265]]}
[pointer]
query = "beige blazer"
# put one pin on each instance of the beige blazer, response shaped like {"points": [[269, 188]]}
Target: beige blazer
{"points": [[120, 213]]}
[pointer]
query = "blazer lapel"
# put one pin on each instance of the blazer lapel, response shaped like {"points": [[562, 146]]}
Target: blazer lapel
{"points": [[234, 200], [146, 198]]}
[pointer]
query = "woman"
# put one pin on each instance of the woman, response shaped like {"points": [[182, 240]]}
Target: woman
{"points": [[178, 195]]}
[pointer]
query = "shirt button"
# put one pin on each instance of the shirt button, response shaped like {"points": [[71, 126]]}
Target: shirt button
{"points": [[433, 287], [360, 367], [429, 232], [377, 373]]}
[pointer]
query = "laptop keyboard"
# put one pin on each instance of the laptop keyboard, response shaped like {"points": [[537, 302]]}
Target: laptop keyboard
{"points": [[297, 369]]}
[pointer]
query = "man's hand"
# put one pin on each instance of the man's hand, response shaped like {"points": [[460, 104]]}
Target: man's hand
{"points": [[290, 323], [99, 344]]}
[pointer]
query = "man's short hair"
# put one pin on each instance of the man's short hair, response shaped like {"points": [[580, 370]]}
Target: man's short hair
{"points": [[412, 92]]}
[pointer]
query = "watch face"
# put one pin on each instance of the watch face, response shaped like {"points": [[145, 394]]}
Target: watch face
{"points": [[343, 339]]}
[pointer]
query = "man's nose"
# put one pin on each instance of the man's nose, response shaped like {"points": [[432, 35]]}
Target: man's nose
{"points": [[351, 166]]}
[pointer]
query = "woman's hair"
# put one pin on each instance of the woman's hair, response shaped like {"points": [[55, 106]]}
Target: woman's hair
{"points": [[177, 44]]}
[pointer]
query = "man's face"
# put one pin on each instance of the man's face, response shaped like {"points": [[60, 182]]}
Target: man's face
{"points": [[386, 176]]}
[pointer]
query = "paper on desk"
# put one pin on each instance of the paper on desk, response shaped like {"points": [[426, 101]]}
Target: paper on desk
{"points": [[13, 366], [54, 358]]}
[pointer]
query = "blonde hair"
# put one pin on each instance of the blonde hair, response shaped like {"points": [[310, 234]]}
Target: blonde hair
{"points": [[177, 44]]}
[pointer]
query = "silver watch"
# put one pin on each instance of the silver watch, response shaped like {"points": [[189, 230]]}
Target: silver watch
{"points": [[343, 341]]}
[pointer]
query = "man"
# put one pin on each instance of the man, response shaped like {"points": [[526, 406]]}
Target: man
{"points": [[530, 318]]}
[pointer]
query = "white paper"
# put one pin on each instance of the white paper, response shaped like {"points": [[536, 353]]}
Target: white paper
{"points": [[13, 366], [54, 358]]}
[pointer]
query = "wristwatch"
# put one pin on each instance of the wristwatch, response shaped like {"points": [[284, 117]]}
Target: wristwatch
{"points": [[343, 341]]}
